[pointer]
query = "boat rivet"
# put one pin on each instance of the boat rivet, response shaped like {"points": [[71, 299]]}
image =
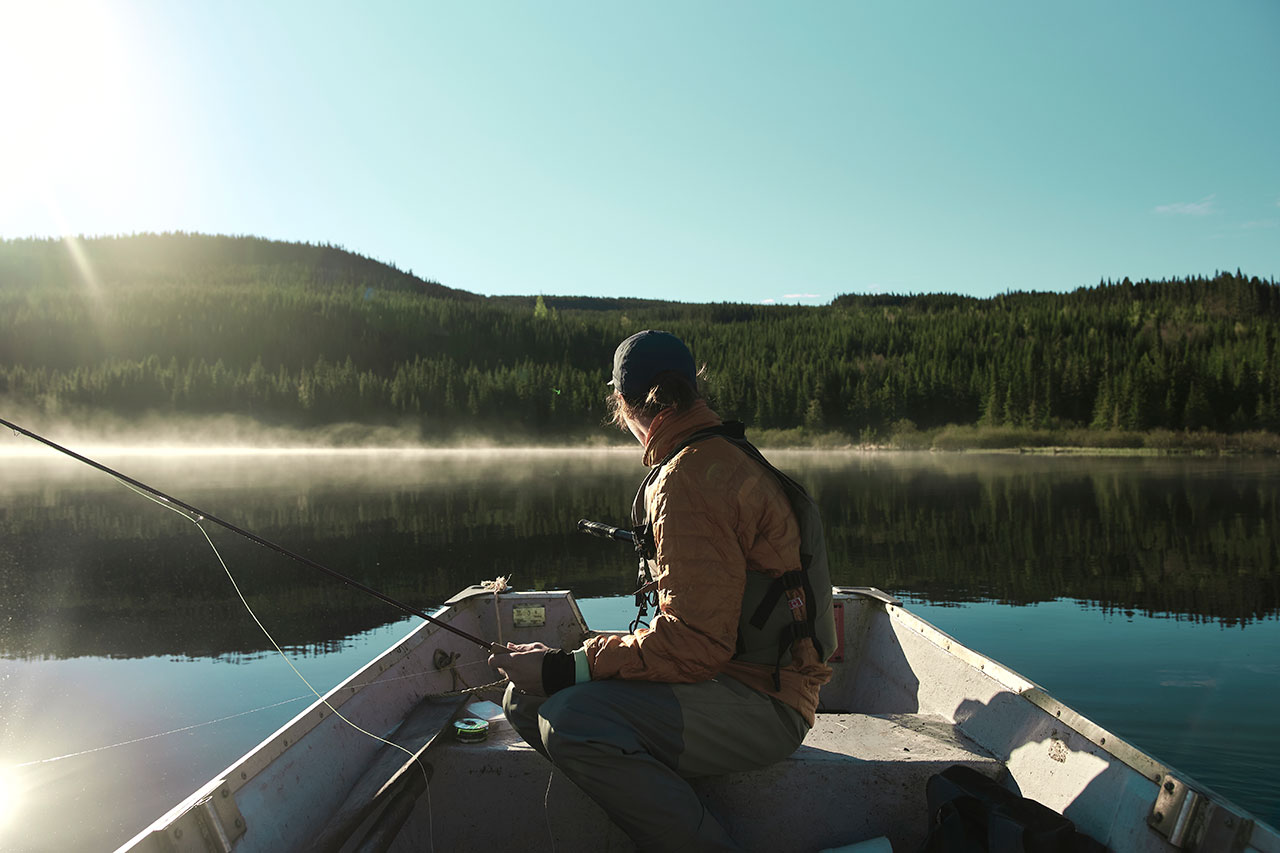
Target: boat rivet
{"points": [[239, 823], [1229, 822], [244, 775], [1157, 817], [177, 833], [1168, 786], [226, 792]]}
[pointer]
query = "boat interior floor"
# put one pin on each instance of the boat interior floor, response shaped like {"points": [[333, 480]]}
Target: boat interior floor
{"points": [[856, 777]]}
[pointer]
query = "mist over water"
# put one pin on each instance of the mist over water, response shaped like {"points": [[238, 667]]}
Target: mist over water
{"points": [[211, 434], [113, 604]]}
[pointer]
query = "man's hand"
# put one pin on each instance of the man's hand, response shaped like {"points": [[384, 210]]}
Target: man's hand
{"points": [[522, 663]]}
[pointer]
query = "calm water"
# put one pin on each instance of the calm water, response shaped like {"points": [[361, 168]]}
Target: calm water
{"points": [[1143, 592]]}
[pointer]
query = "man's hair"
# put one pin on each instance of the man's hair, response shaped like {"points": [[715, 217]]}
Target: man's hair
{"points": [[670, 388]]}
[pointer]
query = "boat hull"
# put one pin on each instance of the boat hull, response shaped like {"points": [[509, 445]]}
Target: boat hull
{"points": [[906, 701]]}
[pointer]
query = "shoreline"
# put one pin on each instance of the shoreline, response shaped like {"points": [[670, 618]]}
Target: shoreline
{"points": [[146, 449]]}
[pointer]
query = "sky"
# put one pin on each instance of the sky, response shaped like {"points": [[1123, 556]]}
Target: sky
{"points": [[766, 152]]}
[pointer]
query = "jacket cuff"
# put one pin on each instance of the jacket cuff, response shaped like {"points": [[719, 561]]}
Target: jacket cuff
{"points": [[557, 670], [581, 667]]}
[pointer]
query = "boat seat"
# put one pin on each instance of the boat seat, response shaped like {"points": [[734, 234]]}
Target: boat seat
{"points": [[856, 777]]}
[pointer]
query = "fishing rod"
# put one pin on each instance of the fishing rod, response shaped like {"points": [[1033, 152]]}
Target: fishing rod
{"points": [[606, 531], [201, 515]]}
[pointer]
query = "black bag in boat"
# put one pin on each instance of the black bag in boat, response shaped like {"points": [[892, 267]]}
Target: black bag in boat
{"points": [[971, 813]]}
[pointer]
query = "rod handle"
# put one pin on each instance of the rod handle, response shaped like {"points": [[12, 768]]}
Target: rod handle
{"points": [[606, 531]]}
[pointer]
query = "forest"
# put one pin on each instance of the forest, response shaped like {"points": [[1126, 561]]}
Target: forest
{"points": [[309, 335]]}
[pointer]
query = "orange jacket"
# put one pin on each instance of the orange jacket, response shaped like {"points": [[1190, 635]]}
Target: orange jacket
{"points": [[716, 514]]}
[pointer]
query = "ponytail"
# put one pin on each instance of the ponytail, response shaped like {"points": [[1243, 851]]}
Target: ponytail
{"points": [[669, 389]]}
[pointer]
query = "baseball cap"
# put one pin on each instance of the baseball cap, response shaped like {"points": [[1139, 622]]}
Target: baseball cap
{"points": [[641, 358]]}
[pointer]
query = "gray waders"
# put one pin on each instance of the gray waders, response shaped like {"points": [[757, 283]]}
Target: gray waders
{"points": [[631, 746]]}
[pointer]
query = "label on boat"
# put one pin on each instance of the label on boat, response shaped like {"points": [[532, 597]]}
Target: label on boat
{"points": [[529, 615]]}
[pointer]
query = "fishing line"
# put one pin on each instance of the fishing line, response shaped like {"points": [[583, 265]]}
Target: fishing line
{"points": [[197, 517], [382, 682], [159, 734], [426, 779], [546, 808], [201, 515], [196, 521]]}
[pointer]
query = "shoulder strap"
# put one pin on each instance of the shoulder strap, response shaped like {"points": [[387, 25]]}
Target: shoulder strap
{"points": [[732, 430], [772, 627]]}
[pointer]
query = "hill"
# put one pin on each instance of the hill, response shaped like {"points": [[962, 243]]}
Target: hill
{"points": [[174, 258], [304, 335]]}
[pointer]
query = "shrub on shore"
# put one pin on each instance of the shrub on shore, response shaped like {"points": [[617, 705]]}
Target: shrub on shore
{"points": [[905, 436]]}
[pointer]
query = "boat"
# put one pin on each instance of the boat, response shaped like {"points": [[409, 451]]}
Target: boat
{"points": [[906, 702]]}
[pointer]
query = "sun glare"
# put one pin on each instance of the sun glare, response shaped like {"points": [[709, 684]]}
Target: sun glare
{"points": [[10, 794], [65, 96]]}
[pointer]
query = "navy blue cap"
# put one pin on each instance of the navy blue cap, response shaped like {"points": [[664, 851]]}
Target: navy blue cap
{"points": [[641, 358]]}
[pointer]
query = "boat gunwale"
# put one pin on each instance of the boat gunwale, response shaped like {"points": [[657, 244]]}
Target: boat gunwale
{"points": [[1108, 742], [245, 769]]}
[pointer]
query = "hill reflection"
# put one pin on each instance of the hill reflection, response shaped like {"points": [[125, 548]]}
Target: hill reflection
{"points": [[88, 568]]}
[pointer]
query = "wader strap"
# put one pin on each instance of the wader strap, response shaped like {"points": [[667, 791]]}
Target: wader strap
{"points": [[777, 589], [788, 637], [810, 599]]}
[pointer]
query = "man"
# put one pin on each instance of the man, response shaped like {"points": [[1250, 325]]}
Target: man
{"points": [[630, 718]]}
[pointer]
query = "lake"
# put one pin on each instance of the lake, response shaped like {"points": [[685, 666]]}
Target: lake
{"points": [[1142, 591]]}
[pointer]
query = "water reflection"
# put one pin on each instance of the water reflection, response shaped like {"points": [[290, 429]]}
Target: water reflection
{"points": [[89, 568], [90, 571]]}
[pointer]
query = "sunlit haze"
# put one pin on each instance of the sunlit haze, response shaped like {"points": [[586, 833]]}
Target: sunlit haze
{"points": [[75, 125], [719, 151], [10, 793]]}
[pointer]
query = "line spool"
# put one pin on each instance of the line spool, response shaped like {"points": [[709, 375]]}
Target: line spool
{"points": [[470, 730]]}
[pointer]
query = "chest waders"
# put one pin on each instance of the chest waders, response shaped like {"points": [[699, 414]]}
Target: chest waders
{"points": [[776, 612]]}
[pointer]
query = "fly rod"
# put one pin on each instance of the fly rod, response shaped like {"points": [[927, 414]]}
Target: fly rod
{"points": [[201, 515], [606, 531]]}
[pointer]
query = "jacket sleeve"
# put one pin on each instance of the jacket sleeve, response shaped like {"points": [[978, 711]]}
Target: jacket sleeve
{"points": [[701, 577]]}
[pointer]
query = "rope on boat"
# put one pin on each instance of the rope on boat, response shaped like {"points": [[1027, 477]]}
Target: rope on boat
{"points": [[465, 690]]}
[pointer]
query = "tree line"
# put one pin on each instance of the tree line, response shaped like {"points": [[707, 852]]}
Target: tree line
{"points": [[308, 335]]}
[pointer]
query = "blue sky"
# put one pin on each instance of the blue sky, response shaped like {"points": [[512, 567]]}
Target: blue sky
{"points": [[700, 151]]}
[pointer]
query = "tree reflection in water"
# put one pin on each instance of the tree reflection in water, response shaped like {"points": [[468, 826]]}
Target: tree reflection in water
{"points": [[88, 568]]}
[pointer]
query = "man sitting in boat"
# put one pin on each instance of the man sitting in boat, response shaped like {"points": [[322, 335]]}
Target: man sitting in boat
{"points": [[630, 717]]}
